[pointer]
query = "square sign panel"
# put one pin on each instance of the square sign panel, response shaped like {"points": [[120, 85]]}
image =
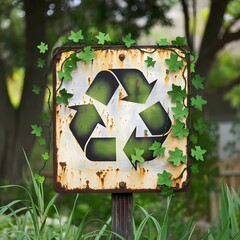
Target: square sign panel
{"points": [[120, 119]]}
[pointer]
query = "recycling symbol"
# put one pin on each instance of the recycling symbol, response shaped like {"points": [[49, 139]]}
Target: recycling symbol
{"points": [[137, 90]]}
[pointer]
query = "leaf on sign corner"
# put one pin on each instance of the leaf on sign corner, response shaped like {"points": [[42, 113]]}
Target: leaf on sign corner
{"points": [[102, 37], [150, 62], [165, 178], [198, 153], [45, 156], [36, 89], [64, 75], [173, 63], [41, 63], [180, 41], [40, 179], [177, 93], [36, 130], [179, 130], [87, 54], [162, 42], [43, 47], [76, 36], [198, 102], [177, 157], [128, 41], [137, 156], [157, 149], [63, 97]]}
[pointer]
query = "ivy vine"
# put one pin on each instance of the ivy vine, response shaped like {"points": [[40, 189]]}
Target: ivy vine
{"points": [[178, 95]]}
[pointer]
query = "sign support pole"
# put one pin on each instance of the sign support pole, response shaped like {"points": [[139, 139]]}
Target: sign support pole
{"points": [[122, 208]]}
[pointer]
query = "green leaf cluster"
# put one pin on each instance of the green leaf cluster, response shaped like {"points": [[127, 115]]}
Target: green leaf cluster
{"points": [[173, 63], [137, 157], [157, 149], [63, 97]]}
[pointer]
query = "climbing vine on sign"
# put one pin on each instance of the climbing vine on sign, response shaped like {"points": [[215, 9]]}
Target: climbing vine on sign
{"points": [[179, 56]]}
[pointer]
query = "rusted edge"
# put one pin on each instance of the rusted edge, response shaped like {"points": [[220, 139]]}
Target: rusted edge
{"points": [[56, 56]]}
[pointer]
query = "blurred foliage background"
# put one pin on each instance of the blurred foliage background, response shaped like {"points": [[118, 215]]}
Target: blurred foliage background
{"points": [[212, 28]]}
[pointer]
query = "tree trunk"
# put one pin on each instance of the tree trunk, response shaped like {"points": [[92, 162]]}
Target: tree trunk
{"points": [[15, 124], [211, 37]]}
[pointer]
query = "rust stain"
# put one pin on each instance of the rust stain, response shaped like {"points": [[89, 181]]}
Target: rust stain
{"points": [[63, 165], [89, 81], [145, 133], [166, 79], [87, 184], [120, 96], [111, 124]]}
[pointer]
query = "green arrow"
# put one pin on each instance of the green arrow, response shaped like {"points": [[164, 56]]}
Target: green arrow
{"points": [[84, 123], [135, 84], [156, 119], [101, 149], [143, 143], [103, 87]]}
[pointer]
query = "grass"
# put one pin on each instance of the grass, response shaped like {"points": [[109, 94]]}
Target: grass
{"points": [[34, 218]]}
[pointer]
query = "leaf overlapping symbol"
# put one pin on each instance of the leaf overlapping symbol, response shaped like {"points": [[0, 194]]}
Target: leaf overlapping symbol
{"points": [[102, 89]]}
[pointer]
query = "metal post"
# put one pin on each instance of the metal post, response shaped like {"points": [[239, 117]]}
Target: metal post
{"points": [[122, 206]]}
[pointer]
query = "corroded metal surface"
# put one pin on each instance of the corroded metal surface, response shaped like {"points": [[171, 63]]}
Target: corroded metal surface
{"points": [[76, 164]]}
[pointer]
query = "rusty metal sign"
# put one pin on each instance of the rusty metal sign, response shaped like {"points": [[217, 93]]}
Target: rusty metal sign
{"points": [[119, 104]]}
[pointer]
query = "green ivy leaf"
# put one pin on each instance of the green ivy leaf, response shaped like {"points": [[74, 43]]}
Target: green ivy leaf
{"points": [[42, 141], [41, 63], [43, 47], [157, 149], [198, 102], [71, 63], [162, 42], [76, 36], [177, 93], [40, 179], [87, 54], [64, 75], [137, 156], [201, 126], [63, 97], [180, 41], [195, 55], [179, 130], [180, 111], [165, 178], [197, 82], [173, 63], [45, 156], [128, 41], [166, 191], [102, 37], [177, 157], [44, 117], [192, 67], [150, 62], [193, 138], [36, 89], [194, 169], [36, 130], [197, 153]]}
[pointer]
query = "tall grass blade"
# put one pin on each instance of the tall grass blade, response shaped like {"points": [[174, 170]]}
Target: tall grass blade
{"points": [[188, 230]]}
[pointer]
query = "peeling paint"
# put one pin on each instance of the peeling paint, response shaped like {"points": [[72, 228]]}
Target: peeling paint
{"points": [[74, 171]]}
